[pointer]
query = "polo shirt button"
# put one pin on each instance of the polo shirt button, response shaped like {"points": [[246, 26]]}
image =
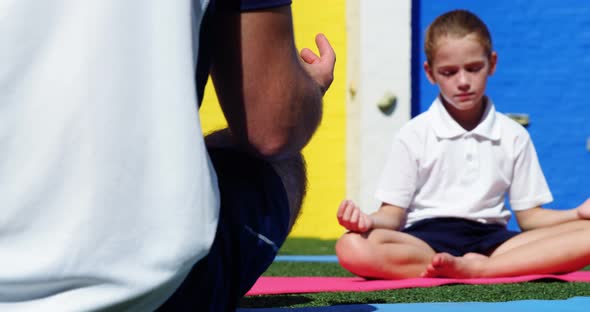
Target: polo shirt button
{"points": [[469, 157]]}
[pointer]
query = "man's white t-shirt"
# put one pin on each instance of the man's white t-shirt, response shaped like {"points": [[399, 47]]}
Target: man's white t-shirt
{"points": [[107, 194], [438, 169]]}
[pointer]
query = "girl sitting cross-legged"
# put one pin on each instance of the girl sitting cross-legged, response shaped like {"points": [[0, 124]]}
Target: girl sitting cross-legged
{"points": [[449, 170]]}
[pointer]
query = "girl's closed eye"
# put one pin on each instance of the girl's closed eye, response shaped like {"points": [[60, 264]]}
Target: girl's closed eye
{"points": [[447, 72], [475, 67]]}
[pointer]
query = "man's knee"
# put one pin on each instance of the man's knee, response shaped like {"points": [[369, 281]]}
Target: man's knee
{"points": [[292, 171], [293, 174]]}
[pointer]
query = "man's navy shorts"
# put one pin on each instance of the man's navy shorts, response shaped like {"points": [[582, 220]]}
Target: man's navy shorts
{"points": [[458, 236], [253, 224]]}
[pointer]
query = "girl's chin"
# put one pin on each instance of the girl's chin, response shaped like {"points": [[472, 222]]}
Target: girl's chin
{"points": [[463, 105]]}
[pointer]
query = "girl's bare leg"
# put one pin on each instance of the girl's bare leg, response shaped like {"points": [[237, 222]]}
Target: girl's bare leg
{"points": [[383, 254], [557, 249]]}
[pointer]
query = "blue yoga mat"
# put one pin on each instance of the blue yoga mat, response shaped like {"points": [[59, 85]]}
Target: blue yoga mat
{"points": [[297, 258], [318, 258], [576, 304]]}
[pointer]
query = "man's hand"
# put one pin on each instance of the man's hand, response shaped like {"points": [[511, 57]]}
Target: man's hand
{"points": [[352, 218], [320, 68]]}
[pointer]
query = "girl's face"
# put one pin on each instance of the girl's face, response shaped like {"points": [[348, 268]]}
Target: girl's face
{"points": [[460, 68]]}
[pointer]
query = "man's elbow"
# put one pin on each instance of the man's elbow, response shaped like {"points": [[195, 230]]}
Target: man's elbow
{"points": [[282, 132], [277, 145], [281, 140], [274, 146]]}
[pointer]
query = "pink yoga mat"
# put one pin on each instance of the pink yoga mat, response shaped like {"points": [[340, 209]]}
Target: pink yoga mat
{"points": [[293, 285]]}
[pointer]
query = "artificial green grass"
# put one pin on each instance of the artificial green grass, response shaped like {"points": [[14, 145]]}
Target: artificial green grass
{"points": [[306, 269], [543, 289], [447, 293], [307, 246]]}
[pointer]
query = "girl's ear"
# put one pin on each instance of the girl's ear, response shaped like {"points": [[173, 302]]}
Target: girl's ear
{"points": [[429, 73], [493, 62]]}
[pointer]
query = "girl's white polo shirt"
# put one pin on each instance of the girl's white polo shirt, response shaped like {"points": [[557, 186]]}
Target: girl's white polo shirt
{"points": [[438, 169]]}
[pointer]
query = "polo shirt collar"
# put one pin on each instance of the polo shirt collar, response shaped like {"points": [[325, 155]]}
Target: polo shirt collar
{"points": [[445, 127]]}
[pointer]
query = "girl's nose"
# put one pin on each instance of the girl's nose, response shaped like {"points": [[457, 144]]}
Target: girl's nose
{"points": [[463, 80]]}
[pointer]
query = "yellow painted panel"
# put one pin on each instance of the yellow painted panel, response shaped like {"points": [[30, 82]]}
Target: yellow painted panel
{"points": [[325, 155]]}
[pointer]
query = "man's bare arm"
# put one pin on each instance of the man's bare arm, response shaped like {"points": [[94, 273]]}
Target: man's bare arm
{"points": [[270, 95]]}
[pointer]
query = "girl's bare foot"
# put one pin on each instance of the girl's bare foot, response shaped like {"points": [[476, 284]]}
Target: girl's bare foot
{"points": [[474, 256], [446, 265]]}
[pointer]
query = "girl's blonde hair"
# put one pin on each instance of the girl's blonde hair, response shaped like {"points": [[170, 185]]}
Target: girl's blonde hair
{"points": [[458, 24]]}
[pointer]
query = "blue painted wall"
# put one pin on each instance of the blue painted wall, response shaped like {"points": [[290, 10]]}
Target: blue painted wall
{"points": [[543, 70]]}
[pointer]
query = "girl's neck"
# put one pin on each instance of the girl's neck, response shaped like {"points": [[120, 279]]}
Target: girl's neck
{"points": [[467, 119]]}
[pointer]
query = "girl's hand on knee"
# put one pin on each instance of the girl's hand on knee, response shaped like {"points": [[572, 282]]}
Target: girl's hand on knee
{"points": [[352, 218], [584, 210]]}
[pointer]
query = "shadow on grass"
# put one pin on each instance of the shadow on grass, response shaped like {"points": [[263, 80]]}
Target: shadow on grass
{"points": [[294, 301], [277, 301], [332, 300]]}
